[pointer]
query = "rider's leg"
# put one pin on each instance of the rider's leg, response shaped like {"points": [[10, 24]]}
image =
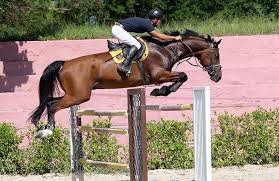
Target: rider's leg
{"points": [[125, 66], [123, 36]]}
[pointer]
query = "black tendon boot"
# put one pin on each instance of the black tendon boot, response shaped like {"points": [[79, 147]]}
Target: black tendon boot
{"points": [[125, 66]]}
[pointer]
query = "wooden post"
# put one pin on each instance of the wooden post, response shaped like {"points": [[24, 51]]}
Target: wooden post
{"points": [[137, 134]]}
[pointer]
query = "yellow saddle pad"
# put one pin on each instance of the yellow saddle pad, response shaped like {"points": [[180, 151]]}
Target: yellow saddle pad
{"points": [[118, 56]]}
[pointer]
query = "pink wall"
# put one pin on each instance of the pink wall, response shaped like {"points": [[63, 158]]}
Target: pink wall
{"points": [[250, 78]]}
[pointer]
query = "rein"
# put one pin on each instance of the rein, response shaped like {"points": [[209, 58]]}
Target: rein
{"points": [[210, 69]]}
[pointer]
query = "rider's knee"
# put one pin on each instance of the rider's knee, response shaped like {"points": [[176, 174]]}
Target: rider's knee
{"points": [[138, 45]]}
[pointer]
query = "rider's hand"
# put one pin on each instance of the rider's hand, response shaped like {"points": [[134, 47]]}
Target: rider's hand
{"points": [[178, 38]]}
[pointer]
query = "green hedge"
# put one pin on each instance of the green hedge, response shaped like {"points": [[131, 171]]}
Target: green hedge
{"points": [[102, 146], [32, 19], [252, 138], [28, 19], [50, 155], [168, 145], [10, 155], [79, 12]]}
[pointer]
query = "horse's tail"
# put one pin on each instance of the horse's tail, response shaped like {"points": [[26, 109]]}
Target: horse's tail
{"points": [[47, 86]]}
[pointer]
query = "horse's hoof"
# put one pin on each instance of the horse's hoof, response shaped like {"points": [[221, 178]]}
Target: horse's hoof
{"points": [[43, 133], [164, 91], [154, 92]]}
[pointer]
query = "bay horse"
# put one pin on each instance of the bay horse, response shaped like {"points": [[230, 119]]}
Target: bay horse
{"points": [[78, 77]]}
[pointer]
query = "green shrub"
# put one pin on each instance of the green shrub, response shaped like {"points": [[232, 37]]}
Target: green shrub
{"points": [[252, 138], [34, 19], [168, 145], [248, 139], [28, 19], [10, 154], [52, 154], [49, 155], [101, 146]]}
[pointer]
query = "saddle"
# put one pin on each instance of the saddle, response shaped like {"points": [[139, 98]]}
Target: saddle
{"points": [[119, 51]]}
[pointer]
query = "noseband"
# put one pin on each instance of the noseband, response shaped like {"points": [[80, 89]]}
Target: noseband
{"points": [[211, 69]]}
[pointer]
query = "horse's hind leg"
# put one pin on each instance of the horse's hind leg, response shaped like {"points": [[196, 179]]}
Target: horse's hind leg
{"points": [[69, 100], [55, 105], [47, 129], [74, 94], [50, 112], [76, 91]]}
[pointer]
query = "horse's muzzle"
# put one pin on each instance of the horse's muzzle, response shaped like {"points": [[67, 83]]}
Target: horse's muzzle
{"points": [[215, 74]]}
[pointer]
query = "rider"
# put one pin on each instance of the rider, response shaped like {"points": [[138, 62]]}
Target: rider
{"points": [[122, 28]]}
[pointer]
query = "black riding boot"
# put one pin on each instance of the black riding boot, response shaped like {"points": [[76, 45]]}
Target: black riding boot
{"points": [[125, 66]]}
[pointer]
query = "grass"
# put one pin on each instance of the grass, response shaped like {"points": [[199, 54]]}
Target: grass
{"points": [[249, 26], [214, 27], [73, 32]]}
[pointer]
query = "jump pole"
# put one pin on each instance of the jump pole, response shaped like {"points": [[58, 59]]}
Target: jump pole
{"points": [[136, 131], [137, 111]]}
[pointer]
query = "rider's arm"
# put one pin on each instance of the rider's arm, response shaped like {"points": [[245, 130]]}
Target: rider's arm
{"points": [[164, 36]]}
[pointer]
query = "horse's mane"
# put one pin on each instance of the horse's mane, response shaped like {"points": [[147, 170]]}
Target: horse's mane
{"points": [[187, 33]]}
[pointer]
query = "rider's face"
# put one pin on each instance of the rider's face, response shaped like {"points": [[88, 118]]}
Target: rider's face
{"points": [[156, 22]]}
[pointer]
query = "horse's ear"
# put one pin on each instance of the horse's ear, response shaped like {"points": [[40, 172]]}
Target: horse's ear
{"points": [[218, 42], [209, 37]]}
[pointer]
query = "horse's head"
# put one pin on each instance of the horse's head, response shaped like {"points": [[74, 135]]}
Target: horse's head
{"points": [[207, 52], [210, 59]]}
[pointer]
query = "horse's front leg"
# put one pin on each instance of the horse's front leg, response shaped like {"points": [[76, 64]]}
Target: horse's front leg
{"points": [[175, 86], [177, 77]]}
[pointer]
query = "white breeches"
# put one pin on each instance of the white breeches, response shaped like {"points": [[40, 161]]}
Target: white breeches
{"points": [[124, 37]]}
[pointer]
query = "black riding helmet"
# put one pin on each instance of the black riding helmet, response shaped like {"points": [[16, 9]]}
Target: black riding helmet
{"points": [[155, 13]]}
